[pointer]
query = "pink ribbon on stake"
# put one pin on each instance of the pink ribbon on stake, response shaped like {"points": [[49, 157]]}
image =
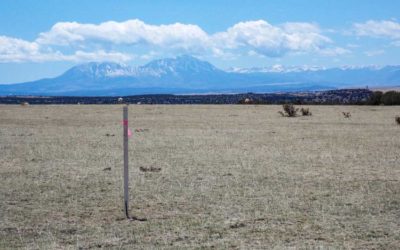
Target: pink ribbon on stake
{"points": [[125, 123]]}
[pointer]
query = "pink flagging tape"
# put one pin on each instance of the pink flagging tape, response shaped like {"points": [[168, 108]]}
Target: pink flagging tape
{"points": [[125, 123]]}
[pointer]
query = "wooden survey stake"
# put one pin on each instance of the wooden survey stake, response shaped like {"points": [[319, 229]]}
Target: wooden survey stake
{"points": [[126, 158]]}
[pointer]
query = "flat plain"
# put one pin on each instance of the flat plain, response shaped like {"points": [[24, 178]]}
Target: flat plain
{"points": [[225, 177]]}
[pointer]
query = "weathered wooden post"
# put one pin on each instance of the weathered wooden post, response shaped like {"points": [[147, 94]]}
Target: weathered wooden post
{"points": [[126, 158]]}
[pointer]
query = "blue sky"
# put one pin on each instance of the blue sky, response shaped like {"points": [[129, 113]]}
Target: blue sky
{"points": [[41, 38]]}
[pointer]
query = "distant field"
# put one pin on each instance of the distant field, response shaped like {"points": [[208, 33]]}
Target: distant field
{"points": [[231, 177]]}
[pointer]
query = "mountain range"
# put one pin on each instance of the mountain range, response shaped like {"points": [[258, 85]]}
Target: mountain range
{"points": [[188, 75]]}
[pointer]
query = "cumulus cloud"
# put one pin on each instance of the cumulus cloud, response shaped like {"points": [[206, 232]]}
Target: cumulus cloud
{"points": [[371, 28], [270, 40], [17, 50], [259, 36], [102, 41], [131, 32]]}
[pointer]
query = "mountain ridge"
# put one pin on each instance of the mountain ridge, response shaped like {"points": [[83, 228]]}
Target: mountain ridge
{"points": [[187, 74]]}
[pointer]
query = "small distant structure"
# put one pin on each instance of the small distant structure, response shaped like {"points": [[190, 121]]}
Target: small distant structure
{"points": [[24, 104], [248, 101], [120, 100]]}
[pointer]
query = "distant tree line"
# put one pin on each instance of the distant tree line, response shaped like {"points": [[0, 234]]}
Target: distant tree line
{"points": [[330, 97], [384, 98]]}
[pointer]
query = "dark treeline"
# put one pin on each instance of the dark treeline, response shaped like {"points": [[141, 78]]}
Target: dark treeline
{"points": [[335, 97], [387, 98]]}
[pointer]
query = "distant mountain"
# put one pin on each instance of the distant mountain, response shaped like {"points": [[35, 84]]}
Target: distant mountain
{"points": [[186, 74], [275, 69]]}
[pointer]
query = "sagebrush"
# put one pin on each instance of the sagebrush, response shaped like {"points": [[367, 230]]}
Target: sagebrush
{"points": [[289, 110], [305, 112]]}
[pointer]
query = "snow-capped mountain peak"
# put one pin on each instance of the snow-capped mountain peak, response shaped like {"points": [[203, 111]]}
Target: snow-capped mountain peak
{"points": [[96, 70], [180, 64], [156, 68], [277, 68]]}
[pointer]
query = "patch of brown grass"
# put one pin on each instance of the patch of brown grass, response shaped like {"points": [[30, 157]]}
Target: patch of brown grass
{"points": [[250, 180]]}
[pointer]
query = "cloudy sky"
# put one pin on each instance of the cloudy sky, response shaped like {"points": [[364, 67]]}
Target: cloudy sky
{"points": [[43, 38]]}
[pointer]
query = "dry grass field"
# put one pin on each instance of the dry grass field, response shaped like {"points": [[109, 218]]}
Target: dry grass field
{"points": [[232, 177]]}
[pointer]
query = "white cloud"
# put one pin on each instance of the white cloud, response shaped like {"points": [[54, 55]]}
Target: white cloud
{"points": [[131, 32], [17, 50], [259, 36], [102, 41], [273, 41], [386, 29]]}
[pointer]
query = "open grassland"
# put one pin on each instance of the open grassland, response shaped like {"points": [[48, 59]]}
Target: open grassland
{"points": [[231, 177]]}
